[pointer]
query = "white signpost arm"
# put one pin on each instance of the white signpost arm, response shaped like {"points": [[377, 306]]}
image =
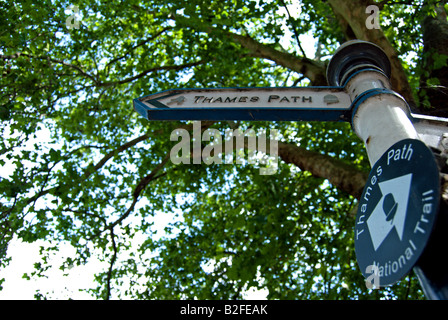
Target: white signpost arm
{"points": [[272, 104]]}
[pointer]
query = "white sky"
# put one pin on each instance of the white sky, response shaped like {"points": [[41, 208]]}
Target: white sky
{"points": [[62, 287]]}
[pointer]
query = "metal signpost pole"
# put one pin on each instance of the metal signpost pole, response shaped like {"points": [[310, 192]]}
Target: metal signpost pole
{"points": [[399, 208], [401, 223]]}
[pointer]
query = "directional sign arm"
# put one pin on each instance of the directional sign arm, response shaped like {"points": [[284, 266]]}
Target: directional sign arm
{"points": [[287, 104]]}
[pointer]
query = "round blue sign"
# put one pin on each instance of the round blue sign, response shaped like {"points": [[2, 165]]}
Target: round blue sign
{"points": [[396, 212]]}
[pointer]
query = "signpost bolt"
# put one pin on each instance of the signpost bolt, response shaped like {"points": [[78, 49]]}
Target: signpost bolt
{"points": [[444, 142]]}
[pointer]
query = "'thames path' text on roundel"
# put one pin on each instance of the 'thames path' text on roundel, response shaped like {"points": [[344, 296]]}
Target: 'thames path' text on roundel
{"points": [[397, 211]]}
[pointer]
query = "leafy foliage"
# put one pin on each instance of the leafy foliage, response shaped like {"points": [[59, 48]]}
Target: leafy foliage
{"points": [[82, 167]]}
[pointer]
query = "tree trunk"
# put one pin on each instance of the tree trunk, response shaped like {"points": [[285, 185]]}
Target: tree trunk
{"points": [[313, 70], [354, 12], [343, 176], [433, 92]]}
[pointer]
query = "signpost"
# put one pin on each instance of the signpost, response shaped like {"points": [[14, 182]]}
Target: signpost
{"points": [[401, 223], [397, 211], [309, 103]]}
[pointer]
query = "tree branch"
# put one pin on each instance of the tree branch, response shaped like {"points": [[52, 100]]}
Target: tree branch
{"points": [[313, 70], [95, 168], [105, 84], [136, 194], [344, 176], [142, 43], [353, 12], [153, 175], [294, 28], [112, 154], [144, 73], [395, 2], [72, 66], [112, 262], [150, 177], [91, 169]]}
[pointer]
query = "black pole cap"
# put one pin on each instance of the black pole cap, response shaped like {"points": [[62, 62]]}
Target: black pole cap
{"points": [[353, 56]]}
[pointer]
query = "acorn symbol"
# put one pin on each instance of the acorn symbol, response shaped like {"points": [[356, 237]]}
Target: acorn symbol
{"points": [[390, 207]]}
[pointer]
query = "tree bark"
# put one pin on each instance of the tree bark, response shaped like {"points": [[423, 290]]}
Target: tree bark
{"points": [[354, 13], [314, 70], [340, 174], [435, 42]]}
